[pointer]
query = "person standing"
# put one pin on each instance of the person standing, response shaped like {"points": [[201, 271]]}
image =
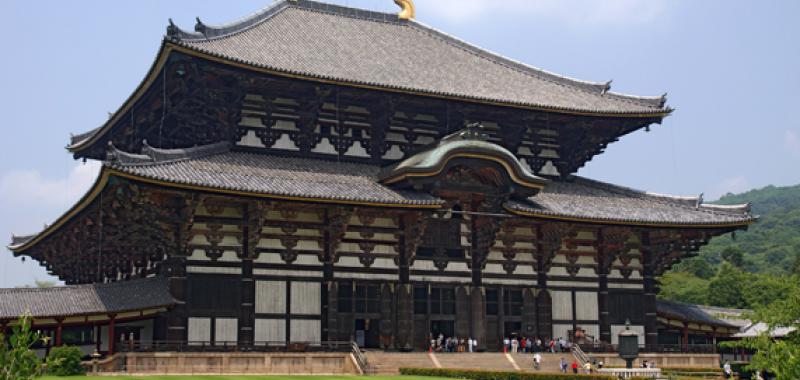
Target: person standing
{"points": [[514, 345], [537, 360], [726, 370], [575, 367], [470, 344], [563, 365], [506, 344]]}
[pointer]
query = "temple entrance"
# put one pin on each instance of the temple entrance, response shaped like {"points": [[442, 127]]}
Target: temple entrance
{"points": [[367, 332], [444, 328]]}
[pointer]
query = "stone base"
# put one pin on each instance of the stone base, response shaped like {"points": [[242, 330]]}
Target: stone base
{"points": [[184, 363], [662, 360]]}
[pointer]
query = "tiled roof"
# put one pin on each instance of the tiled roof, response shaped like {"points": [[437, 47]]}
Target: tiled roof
{"points": [[280, 176], [359, 47], [688, 312], [64, 301], [582, 198]]}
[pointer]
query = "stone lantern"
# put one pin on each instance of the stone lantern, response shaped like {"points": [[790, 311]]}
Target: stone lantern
{"points": [[628, 345]]}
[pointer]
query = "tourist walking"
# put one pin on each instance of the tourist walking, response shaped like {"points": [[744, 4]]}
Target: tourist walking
{"points": [[563, 365]]}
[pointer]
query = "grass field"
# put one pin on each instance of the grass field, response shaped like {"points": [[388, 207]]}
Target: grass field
{"points": [[242, 377]]}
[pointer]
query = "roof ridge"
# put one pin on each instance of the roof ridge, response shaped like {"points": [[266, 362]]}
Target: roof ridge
{"points": [[154, 156], [210, 32], [692, 202]]}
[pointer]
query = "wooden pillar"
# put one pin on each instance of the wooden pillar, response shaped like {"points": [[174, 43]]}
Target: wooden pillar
{"points": [[97, 337], [59, 329], [111, 333], [714, 338], [603, 269], [649, 299], [478, 308], [685, 340], [330, 329]]}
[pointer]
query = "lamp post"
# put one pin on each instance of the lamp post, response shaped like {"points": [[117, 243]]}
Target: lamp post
{"points": [[95, 360], [628, 345]]}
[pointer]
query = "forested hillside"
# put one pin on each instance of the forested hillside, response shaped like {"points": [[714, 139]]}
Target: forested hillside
{"points": [[755, 267]]}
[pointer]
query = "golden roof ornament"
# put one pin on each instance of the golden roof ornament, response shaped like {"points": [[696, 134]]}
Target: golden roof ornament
{"points": [[407, 13]]}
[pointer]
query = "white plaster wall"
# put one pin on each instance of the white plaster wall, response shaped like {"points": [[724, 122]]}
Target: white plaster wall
{"points": [[270, 330], [199, 330], [270, 297], [561, 330], [305, 298], [305, 330], [586, 306], [226, 330], [562, 304]]}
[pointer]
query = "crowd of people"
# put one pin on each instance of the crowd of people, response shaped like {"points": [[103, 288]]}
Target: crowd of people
{"points": [[452, 344], [532, 345]]}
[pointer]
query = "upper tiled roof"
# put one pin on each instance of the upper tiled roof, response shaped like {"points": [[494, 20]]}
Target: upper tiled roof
{"points": [[253, 173], [353, 46], [582, 198], [64, 301]]}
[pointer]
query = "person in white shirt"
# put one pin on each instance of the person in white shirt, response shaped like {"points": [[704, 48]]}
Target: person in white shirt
{"points": [[726, 369], [537, 360], [470, 344], [507, 344]]}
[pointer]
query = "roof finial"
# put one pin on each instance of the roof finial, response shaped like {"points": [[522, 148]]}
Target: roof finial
{"points": [[408, 9]]}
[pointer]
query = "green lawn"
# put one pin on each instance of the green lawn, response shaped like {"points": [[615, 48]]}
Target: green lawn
{"points": [[243, 377]]}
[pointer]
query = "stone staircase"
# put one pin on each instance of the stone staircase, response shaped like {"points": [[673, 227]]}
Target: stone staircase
{"points": [[389, 363]]}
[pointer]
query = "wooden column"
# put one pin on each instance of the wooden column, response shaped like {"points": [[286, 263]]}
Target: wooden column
{"points": [[649, 299], [59, 329], [685, 340], [97, 338], [604, 262], [478, 325], [111, 333]]}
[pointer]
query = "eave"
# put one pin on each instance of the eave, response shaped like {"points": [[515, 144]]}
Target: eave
{"points": [[631, 223], [107, 173]]}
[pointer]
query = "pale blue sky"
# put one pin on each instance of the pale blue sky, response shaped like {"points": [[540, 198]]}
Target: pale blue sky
{"points": [[731, 69]]}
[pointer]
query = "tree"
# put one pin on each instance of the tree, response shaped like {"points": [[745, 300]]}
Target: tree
{"points": [[725, 289], [696, 266], [65, 361], [17, 360], [733, 255], [780, 357], [683, 287]]}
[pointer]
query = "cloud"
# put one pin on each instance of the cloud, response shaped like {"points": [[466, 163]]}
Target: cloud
{"points": [[26, 187], [734, 185], [573, 12], [792, 142]]}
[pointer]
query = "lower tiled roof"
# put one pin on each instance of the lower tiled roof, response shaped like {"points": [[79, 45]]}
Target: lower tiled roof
{"points": [[688, 313], [74, 300], [281, 176], [582, 198]]}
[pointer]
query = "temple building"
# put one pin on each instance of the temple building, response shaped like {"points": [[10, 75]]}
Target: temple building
{"points": [[318, 173]]}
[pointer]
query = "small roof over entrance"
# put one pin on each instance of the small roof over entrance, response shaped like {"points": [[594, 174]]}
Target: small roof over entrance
{"points": [[470, 143]]}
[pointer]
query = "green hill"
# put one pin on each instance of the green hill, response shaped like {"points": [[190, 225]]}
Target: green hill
{"points": [[772, 245], [725, 271]]}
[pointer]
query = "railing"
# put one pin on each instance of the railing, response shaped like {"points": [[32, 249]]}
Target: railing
{"points": [[578, 353], [259, 346], [361, 359], [600, 347]]}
